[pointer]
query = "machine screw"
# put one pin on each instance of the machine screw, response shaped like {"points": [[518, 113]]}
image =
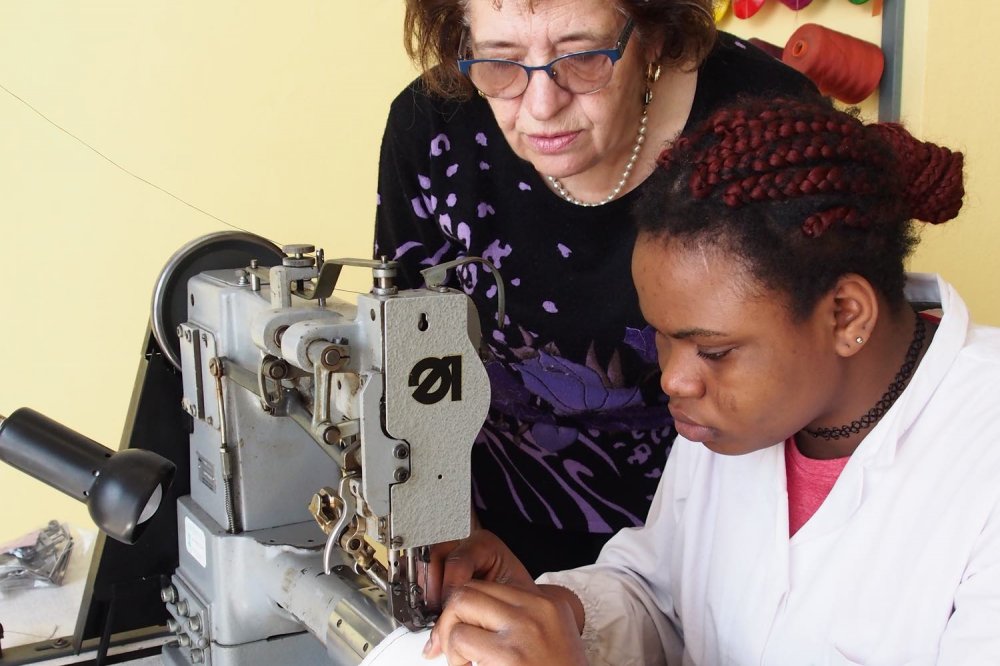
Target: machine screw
{"points": [[254, 279], [182, 607], [401, 452], [401, 474], [241, 277], [202, 642], [173, 625], [197, 656], [276, 368], [168, 594], [184, 640], [180, 331], [194, 624], [333, 357]]}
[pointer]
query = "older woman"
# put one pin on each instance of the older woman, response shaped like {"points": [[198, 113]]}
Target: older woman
{"points": [[833, 496], [526, 141]]}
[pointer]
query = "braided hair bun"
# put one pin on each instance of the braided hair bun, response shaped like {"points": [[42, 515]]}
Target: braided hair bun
{"points": [[782, 149], [931, 174], [802, 193]]}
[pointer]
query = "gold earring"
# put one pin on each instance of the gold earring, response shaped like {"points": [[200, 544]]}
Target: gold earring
{"points": [[652, 76], [480, 93], [653, 72]]}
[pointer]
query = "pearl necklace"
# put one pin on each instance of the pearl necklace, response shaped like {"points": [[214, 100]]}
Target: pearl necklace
{"points": [[639, 140]]}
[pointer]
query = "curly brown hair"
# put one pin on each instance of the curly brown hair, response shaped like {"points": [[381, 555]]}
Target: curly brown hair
{"points": [[433, 32], [803, 194]]}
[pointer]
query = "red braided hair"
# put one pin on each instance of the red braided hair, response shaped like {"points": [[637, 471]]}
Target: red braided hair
{"points": [[785, 149]]}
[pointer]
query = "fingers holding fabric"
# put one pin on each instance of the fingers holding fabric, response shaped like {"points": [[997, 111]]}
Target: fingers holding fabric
{"points": [[482, 556], [492, 624]]}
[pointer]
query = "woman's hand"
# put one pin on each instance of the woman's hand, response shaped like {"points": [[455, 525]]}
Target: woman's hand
{"points": [[493, 624], [482, 556]]}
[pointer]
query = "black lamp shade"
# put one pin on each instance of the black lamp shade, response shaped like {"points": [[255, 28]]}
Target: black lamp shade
{"points": [[121, 489]]}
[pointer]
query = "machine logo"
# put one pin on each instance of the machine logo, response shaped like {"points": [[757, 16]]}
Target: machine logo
{"points": [[437, 377]]}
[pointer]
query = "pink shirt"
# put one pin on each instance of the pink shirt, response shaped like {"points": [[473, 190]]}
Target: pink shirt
{"points": [[809, 482]]}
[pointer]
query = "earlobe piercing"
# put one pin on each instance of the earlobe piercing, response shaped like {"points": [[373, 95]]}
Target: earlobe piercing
{"points": [[860, 340]]}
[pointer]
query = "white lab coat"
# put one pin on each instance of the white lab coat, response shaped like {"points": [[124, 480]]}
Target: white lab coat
{"points": [[900, 564]]}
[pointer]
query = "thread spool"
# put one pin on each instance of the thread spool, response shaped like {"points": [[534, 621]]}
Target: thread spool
{"points": [[744, 9], [840, 65], [770, 49], [719, 9], [796, 4]]}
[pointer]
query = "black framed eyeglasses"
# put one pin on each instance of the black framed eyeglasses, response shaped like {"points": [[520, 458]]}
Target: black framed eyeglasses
{"points": [[582, 73]]}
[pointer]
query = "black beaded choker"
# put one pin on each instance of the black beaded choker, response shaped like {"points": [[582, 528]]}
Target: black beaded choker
{"points": [[888, 398]]}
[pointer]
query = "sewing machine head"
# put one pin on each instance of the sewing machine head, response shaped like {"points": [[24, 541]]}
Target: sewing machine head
{"points": [[309, 419], [363, 412]]}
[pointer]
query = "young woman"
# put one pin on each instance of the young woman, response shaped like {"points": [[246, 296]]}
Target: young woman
{"points": [[834, 494], [527, 139]]}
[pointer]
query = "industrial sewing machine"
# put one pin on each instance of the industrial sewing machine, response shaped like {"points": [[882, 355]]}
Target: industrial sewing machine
{"points": [[328, 447]]}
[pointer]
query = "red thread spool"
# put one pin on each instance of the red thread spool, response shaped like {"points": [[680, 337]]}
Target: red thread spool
{"points": [[841, 66], [744, 9]]}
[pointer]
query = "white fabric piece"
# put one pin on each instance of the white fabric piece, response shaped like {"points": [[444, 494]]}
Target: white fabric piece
{"points": [[403, 648], [899, 565]]}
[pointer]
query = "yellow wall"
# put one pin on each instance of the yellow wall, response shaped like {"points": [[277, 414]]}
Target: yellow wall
{"points": [[268, 116], [956, 97], [265, 114]]}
